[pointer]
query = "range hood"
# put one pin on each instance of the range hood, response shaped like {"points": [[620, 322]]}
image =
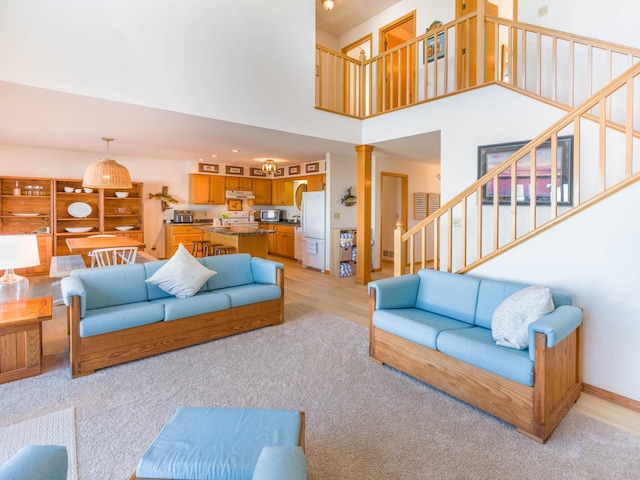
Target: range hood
{"points": [[242, 194]]}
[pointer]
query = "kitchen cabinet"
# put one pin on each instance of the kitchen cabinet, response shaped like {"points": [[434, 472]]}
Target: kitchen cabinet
{"points": [[262, 191], [316, 183], [271, 238], [239, 183], [177, 234], [282, 191], [207, 189], [285, 241]]}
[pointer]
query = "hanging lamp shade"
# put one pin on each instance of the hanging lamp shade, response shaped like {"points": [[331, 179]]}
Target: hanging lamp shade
{"points": [[106, 173]]}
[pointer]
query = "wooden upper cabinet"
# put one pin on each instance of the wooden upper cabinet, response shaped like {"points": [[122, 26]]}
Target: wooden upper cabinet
{"points": [[207, 189], [282, 191], [262, 191], [316, 183], [239, 183]]}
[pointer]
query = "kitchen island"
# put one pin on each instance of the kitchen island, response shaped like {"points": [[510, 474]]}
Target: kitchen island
{"points": [[244, 240]]}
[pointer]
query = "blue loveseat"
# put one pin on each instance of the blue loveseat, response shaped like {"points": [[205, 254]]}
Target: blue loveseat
{"points": [[437, 327], [116, 316]]}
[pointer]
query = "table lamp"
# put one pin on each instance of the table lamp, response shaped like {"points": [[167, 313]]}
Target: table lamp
{"points": [[16, 251]]}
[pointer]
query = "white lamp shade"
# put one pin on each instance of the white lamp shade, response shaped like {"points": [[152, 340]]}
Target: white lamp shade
{"points": [[18, 251]]}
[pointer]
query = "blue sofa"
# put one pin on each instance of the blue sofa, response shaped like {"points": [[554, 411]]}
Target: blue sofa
{"points": [[437, 327], [37, 462], [115, 316]]}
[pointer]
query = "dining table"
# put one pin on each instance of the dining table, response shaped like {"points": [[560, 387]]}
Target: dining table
{"points": [[88, 244]]}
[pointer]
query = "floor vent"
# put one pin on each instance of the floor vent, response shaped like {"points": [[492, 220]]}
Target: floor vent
{"points": [[387, 253]]}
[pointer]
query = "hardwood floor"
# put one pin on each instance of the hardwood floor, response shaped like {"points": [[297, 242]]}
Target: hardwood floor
{"points": [[344, 298]]}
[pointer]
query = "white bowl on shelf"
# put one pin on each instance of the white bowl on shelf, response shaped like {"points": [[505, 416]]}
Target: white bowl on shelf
{"points": [[68, 189], [122, 194], [78, 229], [88, 190], [124, 228]]}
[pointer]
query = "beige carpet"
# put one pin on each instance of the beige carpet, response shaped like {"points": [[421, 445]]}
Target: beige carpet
{"points": [[364, 421], [57, 428]]}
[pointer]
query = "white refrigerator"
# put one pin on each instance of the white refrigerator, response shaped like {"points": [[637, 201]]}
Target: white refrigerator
{"points": [[313, 231]]}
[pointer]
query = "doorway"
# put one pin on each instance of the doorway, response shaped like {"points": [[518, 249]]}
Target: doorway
{"points": [[393, 207], [399, 69]]}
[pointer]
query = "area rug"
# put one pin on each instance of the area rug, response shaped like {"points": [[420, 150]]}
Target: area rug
{"points": [[363, 420], [57, 428]]}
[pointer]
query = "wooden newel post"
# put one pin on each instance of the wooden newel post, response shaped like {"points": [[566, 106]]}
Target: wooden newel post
{"points": [[399, 253]]}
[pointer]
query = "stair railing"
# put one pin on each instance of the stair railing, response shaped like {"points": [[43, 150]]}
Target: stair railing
{"points": [[518, 200]]}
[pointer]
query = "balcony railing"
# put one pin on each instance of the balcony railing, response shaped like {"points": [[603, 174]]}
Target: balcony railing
{"points": [[560, 68]]}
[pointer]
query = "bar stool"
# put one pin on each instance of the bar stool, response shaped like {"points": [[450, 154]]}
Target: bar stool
{"points": [[209, 249], [199, 246], [223, 250]]}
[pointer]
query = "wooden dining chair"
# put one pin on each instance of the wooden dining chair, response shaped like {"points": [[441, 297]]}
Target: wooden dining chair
{"points": [[114, 256]]}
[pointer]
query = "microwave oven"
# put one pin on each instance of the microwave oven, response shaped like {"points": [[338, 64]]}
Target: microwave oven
{"points": [[270, 215]]}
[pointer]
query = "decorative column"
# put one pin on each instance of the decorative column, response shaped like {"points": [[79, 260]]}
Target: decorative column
{"points": [[363, 224]]}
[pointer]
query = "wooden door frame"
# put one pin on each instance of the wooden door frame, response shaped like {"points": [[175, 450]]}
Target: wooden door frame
{"points": [[381, 48], [404, 207]]}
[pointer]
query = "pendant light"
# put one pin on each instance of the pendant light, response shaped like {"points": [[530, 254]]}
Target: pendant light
{"points": [[106, 173], [269, 166]]}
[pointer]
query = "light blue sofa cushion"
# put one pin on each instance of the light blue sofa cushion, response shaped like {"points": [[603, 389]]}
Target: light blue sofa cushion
{"points": [[37, 462], [447, 294], [153, 291], [72, 287], [396, 292], [493, 292], [111, 319], [217, 443], [415, 325], [476, 346], [264, 271], [115, 285], [205, 302], [283, 462], [233, 270], [248, 294]]}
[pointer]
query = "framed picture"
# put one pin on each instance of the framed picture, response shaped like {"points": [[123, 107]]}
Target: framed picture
{"points": [[208, 168], [439, 46], [490, 156], [257, 172], [234, 170], [279, 172], [294, 169], [235, 205], [312, 167]]}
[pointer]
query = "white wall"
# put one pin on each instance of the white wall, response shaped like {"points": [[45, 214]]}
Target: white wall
{"points": [[238, 61]]}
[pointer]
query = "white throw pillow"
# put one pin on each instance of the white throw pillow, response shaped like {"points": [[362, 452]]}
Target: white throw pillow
{"points": [[510, 321], [182, 275]]}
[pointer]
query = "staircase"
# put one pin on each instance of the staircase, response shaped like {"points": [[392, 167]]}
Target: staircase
{"points": [[595, 82]]}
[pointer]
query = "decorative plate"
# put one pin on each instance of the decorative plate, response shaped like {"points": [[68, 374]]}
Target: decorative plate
{"points": [[78, 229], [124, 228], [79, 210]]}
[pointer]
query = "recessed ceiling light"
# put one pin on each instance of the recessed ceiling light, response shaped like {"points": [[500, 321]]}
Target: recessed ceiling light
{"points": [[213, 155], [234, 150]]}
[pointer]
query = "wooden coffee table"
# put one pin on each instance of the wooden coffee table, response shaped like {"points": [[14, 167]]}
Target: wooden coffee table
{"points": [[21, 337]]}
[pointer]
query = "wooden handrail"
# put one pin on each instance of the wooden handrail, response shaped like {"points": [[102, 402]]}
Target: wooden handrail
{"points": [[601, 161]]}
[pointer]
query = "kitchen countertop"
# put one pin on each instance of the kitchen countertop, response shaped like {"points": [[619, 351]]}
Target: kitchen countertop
{"points": [[233, 230]]}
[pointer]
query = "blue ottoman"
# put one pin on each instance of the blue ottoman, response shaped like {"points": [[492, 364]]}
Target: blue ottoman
{"points": [[218, 443]]}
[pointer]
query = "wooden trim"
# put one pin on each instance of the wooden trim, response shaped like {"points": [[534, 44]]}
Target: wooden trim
{"points": [[614, 398]]}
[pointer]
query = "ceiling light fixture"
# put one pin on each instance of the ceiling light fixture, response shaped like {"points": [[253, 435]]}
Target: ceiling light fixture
{"points": [[106, 173], [328, 4], [269, 166]]}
